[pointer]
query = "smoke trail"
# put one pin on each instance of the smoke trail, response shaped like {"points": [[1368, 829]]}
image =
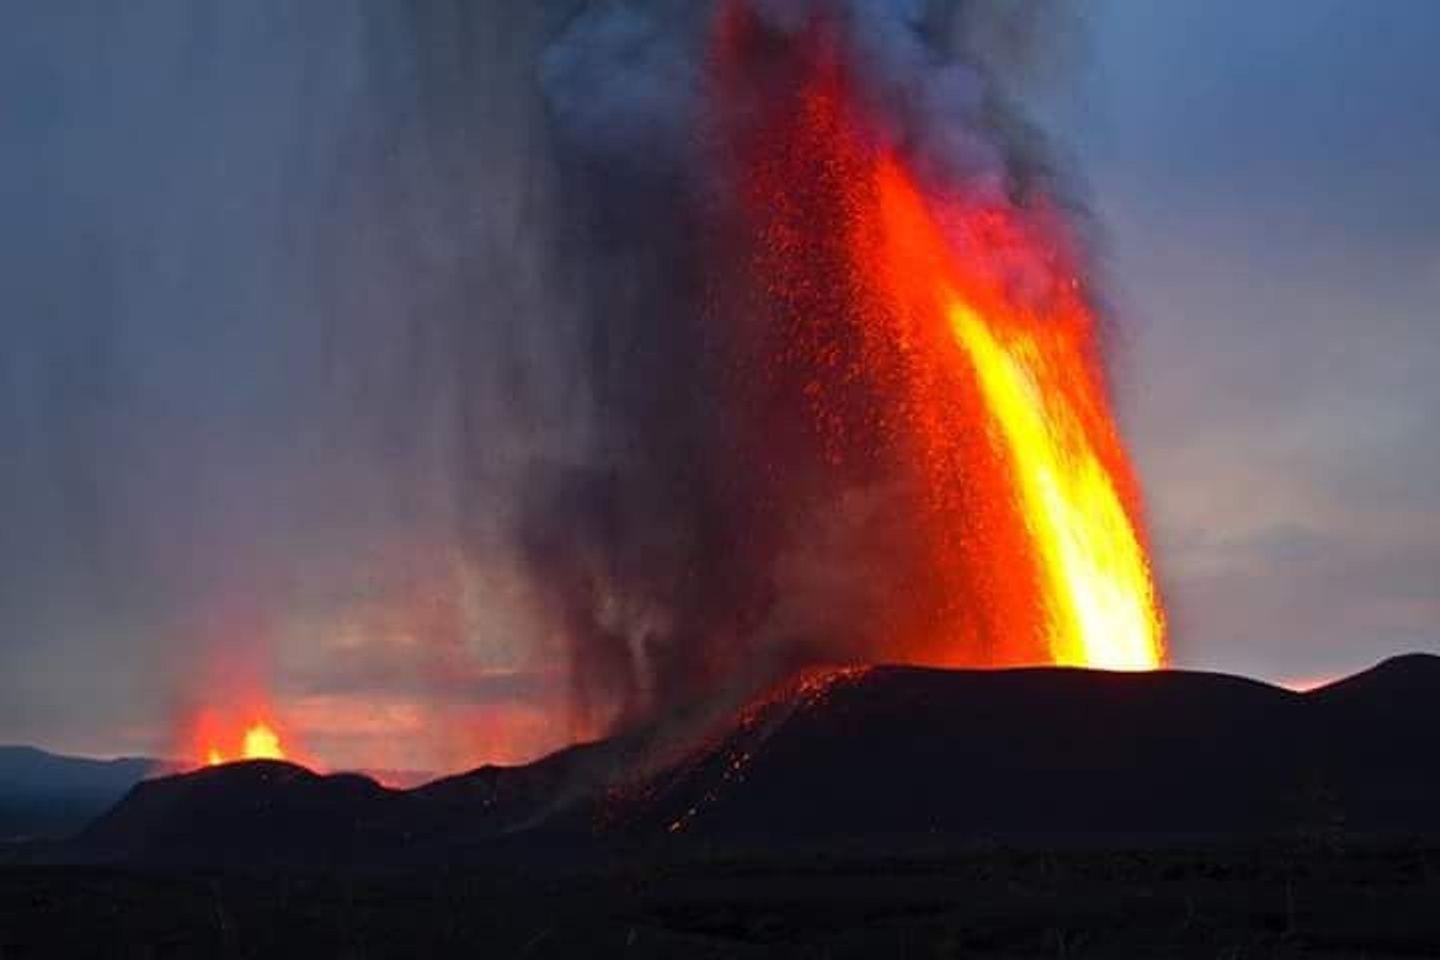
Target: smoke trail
{"points": [[707, 536], [367, 320]]}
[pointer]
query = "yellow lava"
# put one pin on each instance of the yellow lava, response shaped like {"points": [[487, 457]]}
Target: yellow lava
{"points": [[261, 743], [1101, 599]]}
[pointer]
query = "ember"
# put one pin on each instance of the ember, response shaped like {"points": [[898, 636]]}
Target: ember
{"points": [[938, 332]]}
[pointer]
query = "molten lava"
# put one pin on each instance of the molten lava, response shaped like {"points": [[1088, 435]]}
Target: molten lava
{"points": [[219, 744], [934, 332], [261, 743], [905, 448], [1045, 413], [1097, 584]]}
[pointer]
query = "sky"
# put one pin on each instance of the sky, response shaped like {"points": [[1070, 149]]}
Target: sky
{"points": [[1264, 176], [201, 447]]}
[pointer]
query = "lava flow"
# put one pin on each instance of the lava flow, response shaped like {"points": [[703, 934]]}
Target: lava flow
{"points": [[935, 331]]}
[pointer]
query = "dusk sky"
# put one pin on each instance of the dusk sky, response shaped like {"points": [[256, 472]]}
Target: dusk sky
{"points": [[1265, 175], [196, 334]]}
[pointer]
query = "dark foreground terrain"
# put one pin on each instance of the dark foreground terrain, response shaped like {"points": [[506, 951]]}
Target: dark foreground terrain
{"points": [[1215, 902], [884, 812], [1018, 756]]}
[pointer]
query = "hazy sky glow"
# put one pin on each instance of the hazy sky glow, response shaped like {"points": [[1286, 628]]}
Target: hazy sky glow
{"points": [[182, 438], [1265, 174]]}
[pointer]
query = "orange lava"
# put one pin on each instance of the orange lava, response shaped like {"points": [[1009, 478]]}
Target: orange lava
{"points": [[937, 335], [262, 743], [218, 741], [1051, 435]]}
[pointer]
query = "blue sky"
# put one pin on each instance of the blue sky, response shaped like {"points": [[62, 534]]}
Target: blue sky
{"points": [[1265, 179]]}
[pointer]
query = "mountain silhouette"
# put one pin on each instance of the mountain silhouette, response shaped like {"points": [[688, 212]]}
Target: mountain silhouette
{"points": [[881, 755], [46, 794]]}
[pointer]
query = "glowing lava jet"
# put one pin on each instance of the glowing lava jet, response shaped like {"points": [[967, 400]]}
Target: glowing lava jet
{"points": [[936, 330], [262, 743], [221, 744], [1045, 413]]}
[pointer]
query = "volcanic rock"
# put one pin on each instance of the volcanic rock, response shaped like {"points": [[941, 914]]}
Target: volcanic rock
{"points": [[887, 756]]}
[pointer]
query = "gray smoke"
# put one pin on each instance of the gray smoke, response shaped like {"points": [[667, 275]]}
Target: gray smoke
{"points": [[271, 275], [676, 571], [311, 306]]}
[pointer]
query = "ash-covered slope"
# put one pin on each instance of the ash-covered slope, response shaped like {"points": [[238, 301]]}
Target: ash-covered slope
{"points": [[885, 754], [1026, 753], [1070, 753]]}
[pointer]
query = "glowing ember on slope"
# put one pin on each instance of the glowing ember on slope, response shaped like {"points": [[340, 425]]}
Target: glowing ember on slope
{"points": [[737, 745]]}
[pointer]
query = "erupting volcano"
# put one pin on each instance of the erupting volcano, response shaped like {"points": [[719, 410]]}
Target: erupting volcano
{"points": [[219, 741], [822, 317], [933, 330], [641, 478]]}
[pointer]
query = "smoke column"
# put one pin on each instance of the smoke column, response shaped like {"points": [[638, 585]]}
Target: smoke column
{"points": [[422, 364], [746, 500]]}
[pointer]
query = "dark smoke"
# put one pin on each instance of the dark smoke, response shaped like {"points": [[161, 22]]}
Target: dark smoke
{"points": [[683, 557], [317, 312]]}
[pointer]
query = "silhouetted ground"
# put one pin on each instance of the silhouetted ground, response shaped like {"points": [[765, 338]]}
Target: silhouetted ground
{"points": [[1029, 756], [1216, 902], [887, 812]]}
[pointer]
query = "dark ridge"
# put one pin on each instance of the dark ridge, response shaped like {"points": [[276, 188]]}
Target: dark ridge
{"points": [[19, 763], [1408, 676], [255, 811], [901, 751], [1381, 734], [44, 794], [885, 755]]}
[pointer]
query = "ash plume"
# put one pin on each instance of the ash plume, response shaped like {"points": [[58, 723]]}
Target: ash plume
{"points": [[683, 554], [340, 325]]}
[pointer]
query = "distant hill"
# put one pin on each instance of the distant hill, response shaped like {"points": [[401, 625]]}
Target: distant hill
{"points": [[48, 795], [887, 756]]}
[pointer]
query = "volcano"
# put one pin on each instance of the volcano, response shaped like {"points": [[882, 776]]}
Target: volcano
{"points": [[877, 758]]}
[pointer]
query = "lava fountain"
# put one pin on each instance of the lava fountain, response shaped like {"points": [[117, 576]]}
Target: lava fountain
{"points": [[1044, 409], [935, 329], [840, 368], [219, 739]]}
